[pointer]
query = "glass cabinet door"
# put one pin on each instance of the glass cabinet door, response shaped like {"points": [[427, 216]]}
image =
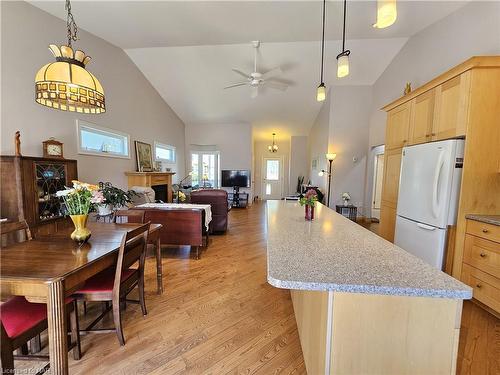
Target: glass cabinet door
{"points": [[49, 178]]}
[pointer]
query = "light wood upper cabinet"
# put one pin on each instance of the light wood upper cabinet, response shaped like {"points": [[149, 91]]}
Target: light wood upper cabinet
{"points": [[421, 118], [451, 107], [398, 124], [392, 167]]}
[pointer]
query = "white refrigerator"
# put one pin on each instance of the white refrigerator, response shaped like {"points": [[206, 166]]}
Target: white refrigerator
{"points": [[429, 189]]}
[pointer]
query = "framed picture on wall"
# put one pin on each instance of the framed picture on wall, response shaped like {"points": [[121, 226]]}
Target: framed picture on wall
{"points": [[144, 156], [314, 163]]}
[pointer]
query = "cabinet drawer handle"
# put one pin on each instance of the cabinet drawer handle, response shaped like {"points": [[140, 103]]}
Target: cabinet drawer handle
{"points": [[482, 255], [478, 286], [485, 231], [433, 134]]}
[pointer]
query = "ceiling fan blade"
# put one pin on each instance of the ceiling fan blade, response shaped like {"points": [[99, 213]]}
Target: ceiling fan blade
{"points": [[272, 73], [236, 85], [241, 73], [255, 92], [276, 85]]}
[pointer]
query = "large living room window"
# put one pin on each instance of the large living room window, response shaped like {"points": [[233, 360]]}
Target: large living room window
{"points": [[97, 140], [165, 153], [205, 168]]}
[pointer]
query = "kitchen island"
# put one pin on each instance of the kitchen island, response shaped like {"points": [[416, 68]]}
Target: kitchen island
{"points": [[362, 304]]}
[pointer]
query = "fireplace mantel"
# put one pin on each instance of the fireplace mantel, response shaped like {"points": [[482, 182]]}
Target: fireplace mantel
{"points": [[151, 179]]}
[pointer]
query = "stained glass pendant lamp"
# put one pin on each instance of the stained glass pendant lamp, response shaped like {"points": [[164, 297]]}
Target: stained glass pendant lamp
{"points": [[66, 84]]}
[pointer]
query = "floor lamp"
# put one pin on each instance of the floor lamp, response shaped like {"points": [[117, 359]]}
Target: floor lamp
{"points": [[330, 158]]}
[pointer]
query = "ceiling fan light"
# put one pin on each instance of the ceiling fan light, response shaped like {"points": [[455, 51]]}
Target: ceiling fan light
{"points": [[386, 13], [321, 93], [342, 65]]}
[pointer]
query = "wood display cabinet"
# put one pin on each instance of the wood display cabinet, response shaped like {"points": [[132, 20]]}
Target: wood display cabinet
{"points": [[28, 188], [461, 103]]}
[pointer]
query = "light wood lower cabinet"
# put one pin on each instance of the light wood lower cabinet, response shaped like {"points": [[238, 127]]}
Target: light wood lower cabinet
{"points": [[347, 333], [481, 262], [392, 170], [387, 222]]}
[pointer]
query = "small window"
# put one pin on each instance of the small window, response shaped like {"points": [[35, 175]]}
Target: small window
{"points": [[164, 152], [96, 140]]}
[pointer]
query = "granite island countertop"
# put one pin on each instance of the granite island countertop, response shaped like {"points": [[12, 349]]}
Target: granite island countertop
{"points": [[333, 253], [488, 219]]}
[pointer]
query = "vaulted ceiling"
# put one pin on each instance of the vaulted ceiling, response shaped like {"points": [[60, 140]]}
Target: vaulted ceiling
{"points": [[186, 49]]}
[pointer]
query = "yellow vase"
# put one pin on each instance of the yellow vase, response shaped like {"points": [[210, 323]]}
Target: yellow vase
{"points": [[81, 233]]}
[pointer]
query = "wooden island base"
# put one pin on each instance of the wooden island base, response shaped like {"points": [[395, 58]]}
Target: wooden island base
{"points": [[348, 333]]}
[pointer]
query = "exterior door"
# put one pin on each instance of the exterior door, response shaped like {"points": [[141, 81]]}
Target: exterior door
{"points": [[205, 169], [272, 178]]}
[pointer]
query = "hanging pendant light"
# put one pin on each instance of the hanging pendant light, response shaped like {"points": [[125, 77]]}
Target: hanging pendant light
{"points": [[66, 84], [386, 13], [321, 91], [343, 57], [274, 147]]}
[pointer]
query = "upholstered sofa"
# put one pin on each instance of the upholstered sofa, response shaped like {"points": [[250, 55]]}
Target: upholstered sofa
{"points": [[217, 199]]}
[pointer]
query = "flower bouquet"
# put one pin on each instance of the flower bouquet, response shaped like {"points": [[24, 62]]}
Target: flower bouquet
{"points": [[79, 200], [309, 201], [346, 198]]}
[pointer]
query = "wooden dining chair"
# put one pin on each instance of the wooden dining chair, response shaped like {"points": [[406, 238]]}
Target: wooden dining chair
{"points": [[13, 232], [115, 283], [129, 216], [21, 321]]}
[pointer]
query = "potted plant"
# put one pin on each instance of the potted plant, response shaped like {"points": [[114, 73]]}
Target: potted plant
{"points": [[114, 198], [79, 200], [309, 201]]}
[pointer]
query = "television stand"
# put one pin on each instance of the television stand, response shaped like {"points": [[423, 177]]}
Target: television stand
{"points": [[237, 199]]}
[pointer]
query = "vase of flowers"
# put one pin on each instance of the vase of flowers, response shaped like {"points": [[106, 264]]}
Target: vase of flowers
{"points": [[179, 196], [309, 201], [78, 201], [346, 198]]}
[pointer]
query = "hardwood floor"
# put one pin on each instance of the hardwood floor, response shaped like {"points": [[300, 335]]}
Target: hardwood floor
{"points": [[218, 315]]}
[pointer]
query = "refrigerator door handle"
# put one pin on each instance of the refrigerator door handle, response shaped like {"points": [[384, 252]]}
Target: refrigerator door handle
{"points": [[435, 185], [425, 226]]}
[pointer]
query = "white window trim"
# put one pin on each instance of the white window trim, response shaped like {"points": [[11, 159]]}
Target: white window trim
{"points": [[218, 171], [164, 145], [81, 123]]}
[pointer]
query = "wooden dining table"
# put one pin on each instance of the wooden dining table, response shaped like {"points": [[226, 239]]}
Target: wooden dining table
{"points": [[50, 268]]}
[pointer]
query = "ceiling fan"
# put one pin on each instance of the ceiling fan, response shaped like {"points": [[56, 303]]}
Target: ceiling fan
{"points": [[256, 79]]}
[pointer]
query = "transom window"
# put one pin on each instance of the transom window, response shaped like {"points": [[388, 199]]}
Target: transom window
{"points": [[164, 152], [97, 140]]}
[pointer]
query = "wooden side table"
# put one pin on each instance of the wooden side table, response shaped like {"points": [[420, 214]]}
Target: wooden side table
{"points": [[351, 212]]}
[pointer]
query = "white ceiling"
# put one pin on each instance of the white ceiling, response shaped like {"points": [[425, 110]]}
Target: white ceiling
{"points": [[186, 49]]}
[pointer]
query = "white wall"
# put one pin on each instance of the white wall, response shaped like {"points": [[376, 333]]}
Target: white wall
{"points": [[342, 127], [318, 143], [470, 31], [233, 141], [261, 151], [133, 105], [348, 138], [299, 161]]}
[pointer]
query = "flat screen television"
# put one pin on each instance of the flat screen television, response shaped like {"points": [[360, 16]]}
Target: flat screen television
{"points": [[235, 178]]}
